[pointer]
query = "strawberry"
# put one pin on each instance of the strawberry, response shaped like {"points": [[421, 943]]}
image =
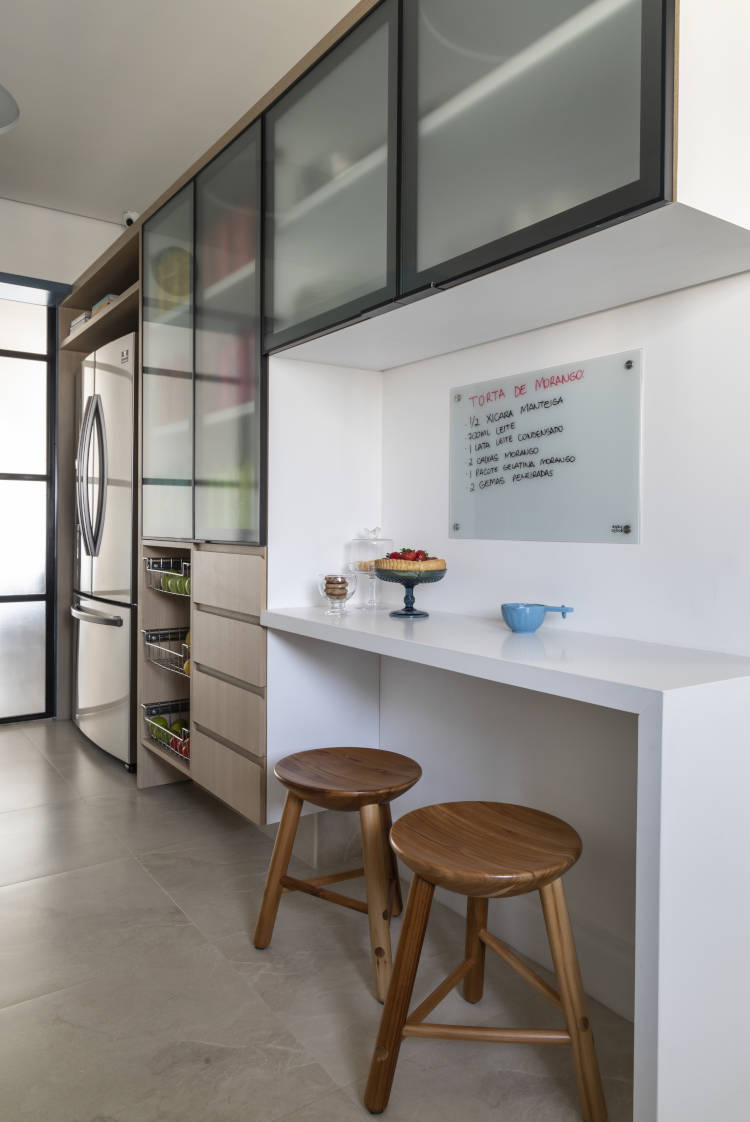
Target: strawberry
{"points": [[409, 555], [394, 556], [420, 555]]}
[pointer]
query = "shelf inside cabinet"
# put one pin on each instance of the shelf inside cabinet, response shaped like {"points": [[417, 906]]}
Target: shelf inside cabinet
{"points": [[166, 726], [166, 754], [120, 317], [168, 648], [169, 575], [114, 271]]}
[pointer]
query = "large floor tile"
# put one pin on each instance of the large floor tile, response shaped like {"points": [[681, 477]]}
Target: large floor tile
{"points": [[31, 781], [60, 930], [54, 838]]}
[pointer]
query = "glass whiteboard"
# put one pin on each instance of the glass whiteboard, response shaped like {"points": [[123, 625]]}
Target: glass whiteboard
{"points": [[550, 455]]}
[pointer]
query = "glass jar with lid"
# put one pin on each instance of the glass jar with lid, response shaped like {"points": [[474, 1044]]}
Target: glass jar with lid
{"points": [[360, 556]]}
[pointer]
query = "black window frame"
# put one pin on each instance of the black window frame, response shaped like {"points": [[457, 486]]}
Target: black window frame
{"points": [[653, 188], [386, 13], [54, 293]]}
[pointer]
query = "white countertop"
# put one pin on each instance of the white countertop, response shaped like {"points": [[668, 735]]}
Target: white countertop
{"points": [[618, 673]]}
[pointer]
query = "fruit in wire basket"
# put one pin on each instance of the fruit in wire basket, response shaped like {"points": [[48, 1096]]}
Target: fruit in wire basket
{"points": [[165, 582], [186, 668], [175, 743], [159, 729]]}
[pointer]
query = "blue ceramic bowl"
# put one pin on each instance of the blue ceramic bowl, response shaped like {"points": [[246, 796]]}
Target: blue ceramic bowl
{"points": [[527, 617]]}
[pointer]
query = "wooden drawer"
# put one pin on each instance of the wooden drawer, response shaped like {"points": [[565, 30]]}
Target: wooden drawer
{"points": [[235, 582], [230, 646], [228, 775], [230, 711]]}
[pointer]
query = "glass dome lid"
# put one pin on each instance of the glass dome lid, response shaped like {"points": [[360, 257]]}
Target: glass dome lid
{"points": [[366, 547]]}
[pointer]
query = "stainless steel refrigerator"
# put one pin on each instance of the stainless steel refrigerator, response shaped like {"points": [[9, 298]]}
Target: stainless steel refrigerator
{"points": [[104, 598]]}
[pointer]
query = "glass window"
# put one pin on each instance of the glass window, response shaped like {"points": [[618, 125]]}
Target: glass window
{"points": [[23, 414], [23, 327]]}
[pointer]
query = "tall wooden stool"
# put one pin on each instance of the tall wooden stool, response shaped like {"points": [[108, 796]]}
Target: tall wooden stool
{"points": [[363, 779], [482, 850]]}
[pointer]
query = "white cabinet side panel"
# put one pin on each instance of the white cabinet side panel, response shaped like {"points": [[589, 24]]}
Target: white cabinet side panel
{"points": [[318, 696]]}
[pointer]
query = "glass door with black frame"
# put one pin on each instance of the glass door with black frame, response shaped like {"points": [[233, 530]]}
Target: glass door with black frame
{"points": [[26, 510]]}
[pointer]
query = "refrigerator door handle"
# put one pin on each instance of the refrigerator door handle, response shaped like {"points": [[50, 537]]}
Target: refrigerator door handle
{"points": [[82, 472], [101, 502], [88, 615]]}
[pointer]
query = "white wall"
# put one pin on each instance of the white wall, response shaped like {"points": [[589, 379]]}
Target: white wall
{"points": [[686, 582], [324, 476], [49, 244]]}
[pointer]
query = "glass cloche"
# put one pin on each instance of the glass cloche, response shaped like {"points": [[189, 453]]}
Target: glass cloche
{"points": [[360, 556]]}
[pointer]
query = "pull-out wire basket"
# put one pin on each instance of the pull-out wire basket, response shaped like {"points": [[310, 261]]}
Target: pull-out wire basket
{"points": [[168, 724], [168, 574], [168, 648]]}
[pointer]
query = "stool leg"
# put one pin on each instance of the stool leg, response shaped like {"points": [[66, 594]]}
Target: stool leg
{"points": [[590, 1091], [396, 1008], [398, 903], [476, 921], [377, 877], [282, 851]]}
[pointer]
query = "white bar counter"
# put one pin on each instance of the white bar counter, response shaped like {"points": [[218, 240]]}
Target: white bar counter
{"points": [[692, 987]]}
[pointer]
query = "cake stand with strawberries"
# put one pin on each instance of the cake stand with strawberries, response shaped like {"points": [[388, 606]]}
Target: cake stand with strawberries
{"points": [[410, 567]]}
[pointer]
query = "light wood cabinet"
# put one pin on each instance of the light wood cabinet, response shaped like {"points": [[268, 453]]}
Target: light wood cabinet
{"points": [[230, 776], [233, 582], [231, 646], [236, 714]]}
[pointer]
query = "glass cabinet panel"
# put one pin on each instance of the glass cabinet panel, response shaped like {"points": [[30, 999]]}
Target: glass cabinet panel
{"points": [[228, 384], [168, 370], [330, 186], [524, 123]]}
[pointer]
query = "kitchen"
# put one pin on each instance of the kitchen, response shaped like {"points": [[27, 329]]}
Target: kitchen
{"points": [[333, 416]]}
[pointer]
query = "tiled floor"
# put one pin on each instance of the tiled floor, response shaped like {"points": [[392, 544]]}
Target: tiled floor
{"points": [[130, 991]]}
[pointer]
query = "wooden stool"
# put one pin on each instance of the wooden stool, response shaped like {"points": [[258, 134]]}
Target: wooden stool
{"points": [[363, 779], [482, 850]]}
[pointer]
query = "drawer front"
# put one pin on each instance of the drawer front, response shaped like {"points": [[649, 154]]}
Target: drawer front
{"points": [[230, 711], [232, 778], [230, 646], [235, 582]]}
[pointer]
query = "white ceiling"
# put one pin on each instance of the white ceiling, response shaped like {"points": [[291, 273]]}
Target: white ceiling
{"points": [[118, 98]]}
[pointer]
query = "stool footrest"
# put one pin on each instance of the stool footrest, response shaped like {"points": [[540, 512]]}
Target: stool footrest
{"points": [[490, 1035], [507, 955], [291, 884], [439, 993], [334, 878]]}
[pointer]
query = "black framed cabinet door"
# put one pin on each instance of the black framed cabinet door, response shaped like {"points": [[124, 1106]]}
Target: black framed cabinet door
{"points": [[330, 181], [525, 124], [229, 401], [167, 400]]}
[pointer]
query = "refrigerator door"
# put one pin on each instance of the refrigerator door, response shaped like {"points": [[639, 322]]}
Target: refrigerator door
{"points": [[112, 457], [101, 681], [83, 482]]}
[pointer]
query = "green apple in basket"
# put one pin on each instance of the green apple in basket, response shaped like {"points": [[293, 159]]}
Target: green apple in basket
{"points": [[159, 728]]}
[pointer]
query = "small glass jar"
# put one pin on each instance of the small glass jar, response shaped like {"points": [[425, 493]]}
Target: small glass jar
{"points": [[361, 554], [338, 589]]}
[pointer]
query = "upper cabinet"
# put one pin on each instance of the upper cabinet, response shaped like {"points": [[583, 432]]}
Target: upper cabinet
{"points": [[202, 367], [167, 387], [228, 381], [330, 181], [524, 124]]}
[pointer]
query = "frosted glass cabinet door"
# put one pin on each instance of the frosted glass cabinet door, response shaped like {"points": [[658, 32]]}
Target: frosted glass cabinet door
{"points": [[228, 383], [331, 186], [167, 509], [525, 123]]}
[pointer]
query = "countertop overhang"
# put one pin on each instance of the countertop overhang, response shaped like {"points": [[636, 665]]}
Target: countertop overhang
{"points": [[602, 670]]}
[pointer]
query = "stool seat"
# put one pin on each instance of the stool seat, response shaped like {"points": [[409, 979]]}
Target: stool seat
{"points": [[484, 849], [347, 778]]}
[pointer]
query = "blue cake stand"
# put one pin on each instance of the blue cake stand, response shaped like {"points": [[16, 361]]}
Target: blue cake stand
{"points": [[410, 580]]}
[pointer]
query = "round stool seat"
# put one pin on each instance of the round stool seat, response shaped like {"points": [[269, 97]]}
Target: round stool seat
{"points": [[347, 778], [485, 849]]}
